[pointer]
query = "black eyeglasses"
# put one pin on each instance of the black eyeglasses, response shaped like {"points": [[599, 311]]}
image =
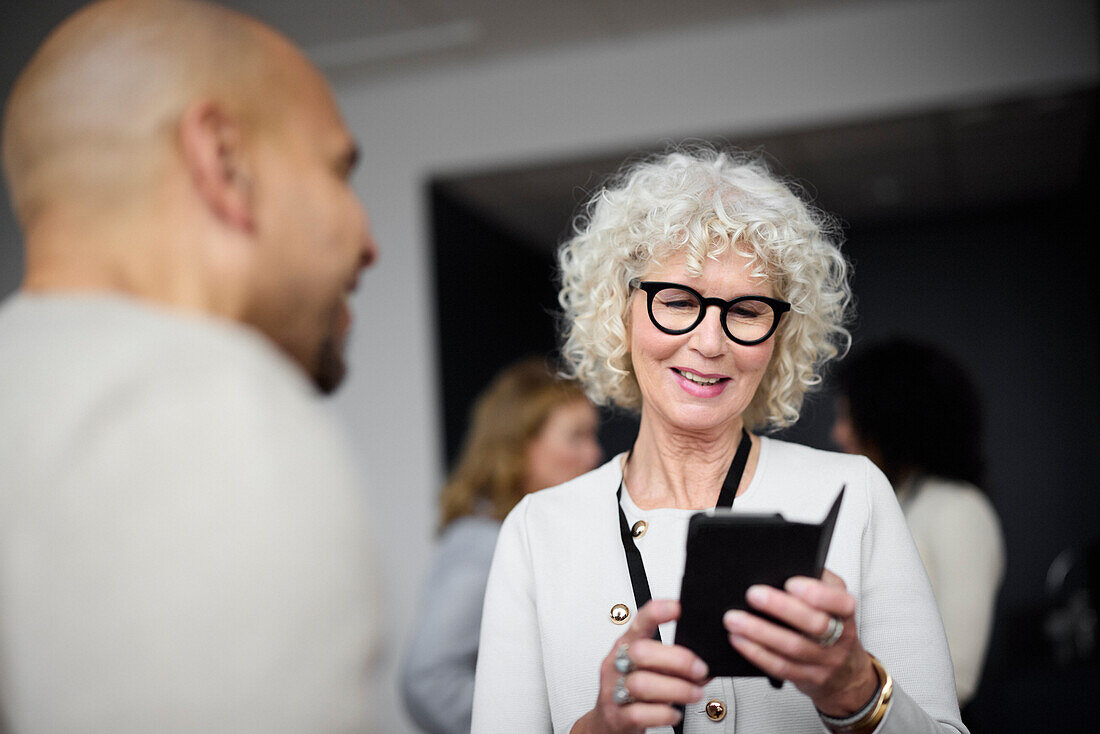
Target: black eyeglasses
{"points": [[677, 309]]}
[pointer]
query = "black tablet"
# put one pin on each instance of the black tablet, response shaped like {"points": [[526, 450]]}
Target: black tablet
{"points": [[727, 552]]}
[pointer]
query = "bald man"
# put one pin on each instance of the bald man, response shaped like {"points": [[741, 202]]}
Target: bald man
{"points": [[181, 540]]}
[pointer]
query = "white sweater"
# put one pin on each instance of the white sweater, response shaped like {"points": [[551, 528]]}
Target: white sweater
{"points": [[559, 568], [959, 538], [182, 543]]}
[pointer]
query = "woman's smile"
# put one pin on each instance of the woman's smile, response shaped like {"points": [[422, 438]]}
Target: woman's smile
{"points": [[700, 385]]}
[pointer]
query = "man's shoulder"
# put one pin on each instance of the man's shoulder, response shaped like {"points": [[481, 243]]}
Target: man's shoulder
{"points": [[88, 372], [112, 343]]}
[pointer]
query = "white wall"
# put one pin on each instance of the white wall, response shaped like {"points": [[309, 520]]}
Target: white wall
{"points": [[778, 72]]}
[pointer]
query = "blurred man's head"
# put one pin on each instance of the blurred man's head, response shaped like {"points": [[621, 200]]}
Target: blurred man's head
{"points": [[186, 154]]}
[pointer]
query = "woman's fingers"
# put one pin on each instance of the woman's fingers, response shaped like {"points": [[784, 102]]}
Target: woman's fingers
{"points": [[788, 608], [653, 613], [658, 676], [837, 677], [807, 605], [646, 652], [645, 715], [674, 660], [774, 664], [831, 579], [784, 653], [645, 685], [829, 594], [789, 643]]}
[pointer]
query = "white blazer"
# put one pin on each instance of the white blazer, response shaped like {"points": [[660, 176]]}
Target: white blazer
{"points": [[559, 567]]}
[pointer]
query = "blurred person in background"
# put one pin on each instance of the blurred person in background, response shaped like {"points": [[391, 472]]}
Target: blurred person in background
{"points": [[700, 291], [182, 537], [530, 430], [915, 412]]}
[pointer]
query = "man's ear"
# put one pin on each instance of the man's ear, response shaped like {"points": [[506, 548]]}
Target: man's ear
{"points": [[213, 153]]}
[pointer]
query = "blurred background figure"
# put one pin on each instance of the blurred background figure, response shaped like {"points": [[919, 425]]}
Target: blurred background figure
{"points": [[530, 430], [914, 411]]}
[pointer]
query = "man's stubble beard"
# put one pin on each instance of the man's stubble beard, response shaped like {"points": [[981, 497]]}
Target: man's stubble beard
{"points": [[331, 367]]}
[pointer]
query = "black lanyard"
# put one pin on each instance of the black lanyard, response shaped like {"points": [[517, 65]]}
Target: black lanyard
{"points": [[638, 579]]}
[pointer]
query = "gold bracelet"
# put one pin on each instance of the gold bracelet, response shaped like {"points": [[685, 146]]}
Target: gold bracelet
{"points": [[872, 718]]}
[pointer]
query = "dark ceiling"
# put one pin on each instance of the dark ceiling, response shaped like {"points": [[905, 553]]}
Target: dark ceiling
{"points": [[930, 163]]}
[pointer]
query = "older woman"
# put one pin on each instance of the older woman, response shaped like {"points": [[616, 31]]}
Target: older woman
{"points": [[701, 292]]}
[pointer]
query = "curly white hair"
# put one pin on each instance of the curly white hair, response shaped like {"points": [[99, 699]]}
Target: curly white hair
{"points": [[700, 202]]}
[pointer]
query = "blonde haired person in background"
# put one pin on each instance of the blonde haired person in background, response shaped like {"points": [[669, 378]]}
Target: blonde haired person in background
{"points": [[530, 430]]}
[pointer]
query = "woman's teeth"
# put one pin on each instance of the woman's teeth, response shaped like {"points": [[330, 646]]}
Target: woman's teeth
{"points": [[697, 379]]}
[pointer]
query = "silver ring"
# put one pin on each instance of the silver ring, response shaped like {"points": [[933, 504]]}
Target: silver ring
{"points": [[623, 663], [621, 695], [832, 632]]}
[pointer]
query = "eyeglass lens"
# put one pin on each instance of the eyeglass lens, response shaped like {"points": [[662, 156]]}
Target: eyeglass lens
{"points": [[677, 310]]}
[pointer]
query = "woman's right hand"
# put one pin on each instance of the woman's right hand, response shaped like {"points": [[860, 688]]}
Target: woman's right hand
{"points": [[663, 675]]}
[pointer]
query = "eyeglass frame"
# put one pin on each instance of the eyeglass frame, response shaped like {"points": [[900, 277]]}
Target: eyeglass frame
{"points": [[652, 287]]}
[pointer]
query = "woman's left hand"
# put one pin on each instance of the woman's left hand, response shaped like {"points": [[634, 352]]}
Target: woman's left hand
{"points": [[839, 678]]}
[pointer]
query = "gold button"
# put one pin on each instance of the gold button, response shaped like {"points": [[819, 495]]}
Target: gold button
{"points": [[620, 613], [716, 710], [639, 528]]}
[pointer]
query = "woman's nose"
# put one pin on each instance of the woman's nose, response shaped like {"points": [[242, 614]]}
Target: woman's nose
{"points": [[709, 337]]}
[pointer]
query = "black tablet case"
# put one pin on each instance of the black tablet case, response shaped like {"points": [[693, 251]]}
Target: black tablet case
{"points": [[728, 552]]}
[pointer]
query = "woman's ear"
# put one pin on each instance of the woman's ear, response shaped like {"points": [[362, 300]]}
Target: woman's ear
{"points": [[213, 153]]}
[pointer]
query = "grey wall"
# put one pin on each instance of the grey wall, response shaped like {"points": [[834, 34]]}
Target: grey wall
{"points": [[11, 255]]}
